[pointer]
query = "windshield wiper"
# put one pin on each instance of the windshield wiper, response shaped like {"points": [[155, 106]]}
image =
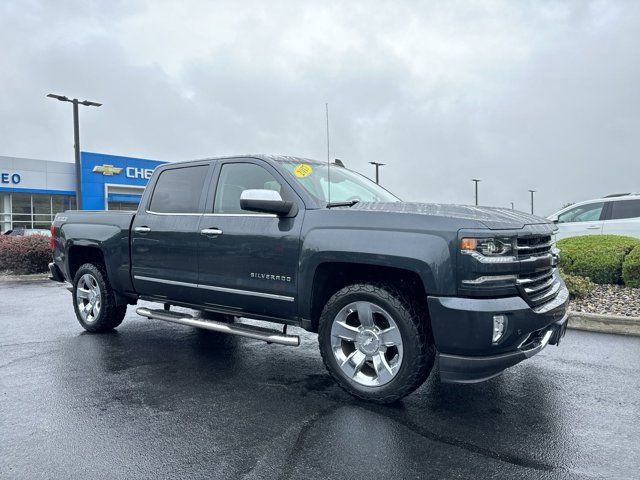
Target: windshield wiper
{"points": [[350, 203]]}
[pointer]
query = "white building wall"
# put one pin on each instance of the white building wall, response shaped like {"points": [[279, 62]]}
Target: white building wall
{"points": [[38, 174]]}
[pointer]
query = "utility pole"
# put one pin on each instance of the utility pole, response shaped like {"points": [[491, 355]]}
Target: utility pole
{"points": [[378, 165], [532, 192], [476, 180], [76, 138]]}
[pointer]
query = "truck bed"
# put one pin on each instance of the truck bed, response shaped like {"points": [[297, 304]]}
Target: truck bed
{"points": [[107, 231]]}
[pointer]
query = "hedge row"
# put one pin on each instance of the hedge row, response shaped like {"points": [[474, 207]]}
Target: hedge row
{"points": [[602, 258], [579, 287], [631, 268], [23, 255]]}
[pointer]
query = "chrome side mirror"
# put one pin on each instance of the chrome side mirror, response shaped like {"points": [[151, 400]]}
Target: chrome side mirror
{"points": [[264, 201]]}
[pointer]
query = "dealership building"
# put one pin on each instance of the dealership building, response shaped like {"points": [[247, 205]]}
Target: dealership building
{"points": [[33, 191]]}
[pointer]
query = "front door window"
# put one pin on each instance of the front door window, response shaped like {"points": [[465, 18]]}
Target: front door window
{"points": [[583, 213], [236, 178]]}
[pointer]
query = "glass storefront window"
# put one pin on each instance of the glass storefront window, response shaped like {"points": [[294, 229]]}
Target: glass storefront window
{"points": [[20, 225], [21, 203], [5, 212], [25, 210], [42, 205], [60, 203]]}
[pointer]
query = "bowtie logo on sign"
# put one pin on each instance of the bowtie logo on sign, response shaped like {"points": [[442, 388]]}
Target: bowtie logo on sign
{"points": [[107, 170], [130, 172]]}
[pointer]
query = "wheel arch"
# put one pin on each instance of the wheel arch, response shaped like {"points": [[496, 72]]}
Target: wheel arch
{"points": [[79, 254], [331, 276]]}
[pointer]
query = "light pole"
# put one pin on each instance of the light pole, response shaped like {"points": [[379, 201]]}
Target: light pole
{"points": [[476, 180], [76, 137], [532, 192], [378, 165]]}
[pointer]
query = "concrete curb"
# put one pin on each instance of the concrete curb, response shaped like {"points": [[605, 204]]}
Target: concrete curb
{"points": [[595, 322], [33, 276]]}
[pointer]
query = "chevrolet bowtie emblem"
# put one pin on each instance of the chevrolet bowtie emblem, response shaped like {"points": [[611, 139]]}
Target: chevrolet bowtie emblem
{"points": [[108, 170]]}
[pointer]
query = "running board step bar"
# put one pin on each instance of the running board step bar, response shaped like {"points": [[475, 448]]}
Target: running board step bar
{"points": [[249, 331]]}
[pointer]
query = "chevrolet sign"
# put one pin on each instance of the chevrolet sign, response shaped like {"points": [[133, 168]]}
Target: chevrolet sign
{"points": [[107, 170]]}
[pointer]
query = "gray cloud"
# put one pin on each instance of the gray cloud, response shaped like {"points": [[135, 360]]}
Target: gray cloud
{"points": [[524, 95]]}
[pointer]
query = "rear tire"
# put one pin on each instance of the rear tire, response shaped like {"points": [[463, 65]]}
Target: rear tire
{"points": [[94, 300], [375, 342]]}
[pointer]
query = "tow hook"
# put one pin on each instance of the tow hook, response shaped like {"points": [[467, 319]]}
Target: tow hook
{"points": [[559, 330]]}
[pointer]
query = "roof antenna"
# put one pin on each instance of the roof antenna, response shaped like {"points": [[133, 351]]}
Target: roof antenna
{"points": [[326, 107]]}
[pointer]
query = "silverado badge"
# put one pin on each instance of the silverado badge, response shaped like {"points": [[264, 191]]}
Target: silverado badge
{"points": [[268, 276]]}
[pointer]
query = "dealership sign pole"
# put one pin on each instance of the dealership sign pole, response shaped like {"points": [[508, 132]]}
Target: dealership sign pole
{"points": [[476, 181], [532, 192], [378, 165], [76, 139]]}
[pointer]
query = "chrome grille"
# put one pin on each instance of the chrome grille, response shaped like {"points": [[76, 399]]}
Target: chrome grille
{"points": [[542, 285], [539, 287], [534, 245]]}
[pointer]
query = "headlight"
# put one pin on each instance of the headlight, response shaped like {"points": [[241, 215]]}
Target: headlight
{"points": [[489, 247]]}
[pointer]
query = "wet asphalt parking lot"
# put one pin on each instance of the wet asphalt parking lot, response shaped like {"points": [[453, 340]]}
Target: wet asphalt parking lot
{"points": [[156, 400]]}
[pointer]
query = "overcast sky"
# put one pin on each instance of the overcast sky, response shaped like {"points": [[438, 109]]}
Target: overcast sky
{"points": [[522, 94]]}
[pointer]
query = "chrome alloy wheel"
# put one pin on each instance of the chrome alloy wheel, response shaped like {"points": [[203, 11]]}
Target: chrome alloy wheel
{"points": [[88, 298], [366, 343]]}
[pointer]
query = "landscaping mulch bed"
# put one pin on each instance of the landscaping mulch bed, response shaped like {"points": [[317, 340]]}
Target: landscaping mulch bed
{"points": [[609, 300]]}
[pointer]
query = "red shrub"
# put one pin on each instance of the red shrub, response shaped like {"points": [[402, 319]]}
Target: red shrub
{"points": [[22, 255]]}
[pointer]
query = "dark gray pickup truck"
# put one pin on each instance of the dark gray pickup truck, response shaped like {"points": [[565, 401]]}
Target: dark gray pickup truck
{"points": [[388, 286]]}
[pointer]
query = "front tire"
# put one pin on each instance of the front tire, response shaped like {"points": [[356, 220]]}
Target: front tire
{"points": [[375, 343], [94, 300]]}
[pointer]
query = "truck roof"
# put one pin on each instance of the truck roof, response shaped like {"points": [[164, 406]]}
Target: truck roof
{"points": [[261, 156]]}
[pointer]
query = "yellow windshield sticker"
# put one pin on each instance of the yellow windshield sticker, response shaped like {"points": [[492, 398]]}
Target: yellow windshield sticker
{"points": [[302, 170]]}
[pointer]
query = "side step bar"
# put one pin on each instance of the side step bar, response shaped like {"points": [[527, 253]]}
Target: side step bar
{"points": [[258, 333]]}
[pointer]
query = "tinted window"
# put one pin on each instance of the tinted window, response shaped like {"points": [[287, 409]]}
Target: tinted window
{"points": [[625, 209], [584, 213], [178, 190], [234, 179]]}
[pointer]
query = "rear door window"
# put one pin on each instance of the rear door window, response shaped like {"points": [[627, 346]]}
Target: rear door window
{"points": [[625, 209], [178, 190]]}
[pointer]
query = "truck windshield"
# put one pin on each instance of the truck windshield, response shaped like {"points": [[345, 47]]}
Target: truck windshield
{"points": [[346, 185]]}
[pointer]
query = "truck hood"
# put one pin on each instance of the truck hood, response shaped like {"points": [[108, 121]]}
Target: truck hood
{"points": [[492, 218]]}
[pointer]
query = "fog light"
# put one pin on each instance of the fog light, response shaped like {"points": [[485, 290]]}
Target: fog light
{"points": [[499, 327]]}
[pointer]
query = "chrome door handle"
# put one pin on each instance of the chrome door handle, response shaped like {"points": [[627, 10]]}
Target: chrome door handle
{"points": [[143, 229], [593, 227], [211, 231]]}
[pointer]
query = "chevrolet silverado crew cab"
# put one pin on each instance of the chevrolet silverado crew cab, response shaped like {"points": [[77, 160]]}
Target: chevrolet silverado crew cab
{"points": [[388, 286]]}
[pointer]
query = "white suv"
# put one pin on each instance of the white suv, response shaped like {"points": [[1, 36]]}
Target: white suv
{"points": [[617, 214]]}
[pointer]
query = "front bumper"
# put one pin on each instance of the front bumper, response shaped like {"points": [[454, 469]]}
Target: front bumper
{"points": [[462, 329], [461, 369]]}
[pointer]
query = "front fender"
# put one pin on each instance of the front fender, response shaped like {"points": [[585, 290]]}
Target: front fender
{"points": [[427, 255]]}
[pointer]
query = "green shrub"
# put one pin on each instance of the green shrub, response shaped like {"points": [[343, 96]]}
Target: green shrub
{"points": [[23, 255], [631, 268], [579, 287], [598, 257]]}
